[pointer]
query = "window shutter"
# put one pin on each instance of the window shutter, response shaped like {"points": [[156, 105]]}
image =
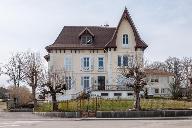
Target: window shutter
{"points": [[82, 83], [97, 64], [125, 60], [92, 63], [70, 63], [65, 63], [119, 60], [92, 82], [82, 64]]}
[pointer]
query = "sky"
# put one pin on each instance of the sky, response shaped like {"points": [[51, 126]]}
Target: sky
{"points": [[165, 25]]}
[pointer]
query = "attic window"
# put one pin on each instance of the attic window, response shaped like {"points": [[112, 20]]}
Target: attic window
{"points": [[86, 39]]}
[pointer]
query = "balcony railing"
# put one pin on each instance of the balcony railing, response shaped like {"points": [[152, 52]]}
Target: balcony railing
{"points": [[111, 88]]}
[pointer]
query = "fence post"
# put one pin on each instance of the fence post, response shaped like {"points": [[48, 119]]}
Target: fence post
{"points": [[67, 105], [96, 104]]}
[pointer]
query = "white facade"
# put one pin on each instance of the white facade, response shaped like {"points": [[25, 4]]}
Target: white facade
{"points": [[96, 69], [159, 83]]}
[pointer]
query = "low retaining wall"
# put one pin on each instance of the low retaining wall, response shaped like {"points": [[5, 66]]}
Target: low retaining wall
{"points": [[59, 114], [21, 110], [137, 114]]}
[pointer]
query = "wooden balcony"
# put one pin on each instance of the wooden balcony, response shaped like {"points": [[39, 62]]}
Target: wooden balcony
{"points": [[111, 88]]}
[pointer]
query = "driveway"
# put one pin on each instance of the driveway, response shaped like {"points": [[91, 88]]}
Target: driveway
{"points": [[28, 120]]}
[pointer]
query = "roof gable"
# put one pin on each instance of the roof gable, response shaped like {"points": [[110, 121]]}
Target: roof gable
{"points": [[104, 37], [86, 31], [139, 42]]}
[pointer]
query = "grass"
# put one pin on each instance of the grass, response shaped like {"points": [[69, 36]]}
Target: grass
{"points": [[115, 105]]}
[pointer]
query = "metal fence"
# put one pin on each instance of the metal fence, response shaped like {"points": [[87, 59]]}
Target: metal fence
{"points": [[99, 104]]}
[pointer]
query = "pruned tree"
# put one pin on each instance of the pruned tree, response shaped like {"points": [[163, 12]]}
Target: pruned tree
{"points": [[33, 72], [13, 69], [55, 83], [134, 77]]}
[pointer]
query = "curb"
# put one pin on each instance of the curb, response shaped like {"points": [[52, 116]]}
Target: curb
{"points": [[154, 118]]}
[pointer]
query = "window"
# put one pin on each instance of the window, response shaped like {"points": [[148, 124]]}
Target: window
{"points": [[154, 80], [86, 63], [129, 94], [125, 60], [125, 40], [163, 90], [101, 63], [85, 82], [69, 82], [156, 90], [117, 94], [68, 63], [104, 94], [86, 39]]}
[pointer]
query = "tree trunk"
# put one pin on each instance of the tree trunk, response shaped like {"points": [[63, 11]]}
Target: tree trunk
{"points": [[137, 105], [34, 97], [54, 100]]}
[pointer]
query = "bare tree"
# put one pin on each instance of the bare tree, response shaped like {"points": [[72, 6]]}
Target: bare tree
{"points": [[187, 74], [55, 83], [175, 66], [157, 65], [134, 77], [33, 72], [13, 69]]}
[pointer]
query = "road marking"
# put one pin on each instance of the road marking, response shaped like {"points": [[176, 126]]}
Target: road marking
{"points": [[12, 125]]}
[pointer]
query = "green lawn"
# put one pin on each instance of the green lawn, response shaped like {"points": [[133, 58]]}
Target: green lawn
{"points": [[116, 105]]}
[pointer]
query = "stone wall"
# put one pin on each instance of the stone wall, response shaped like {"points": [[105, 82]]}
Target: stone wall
{"points": [[59, 114], [138, 114]]}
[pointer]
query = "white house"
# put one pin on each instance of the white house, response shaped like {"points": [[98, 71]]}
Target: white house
{"points": [[91, 56], [158, 82]]}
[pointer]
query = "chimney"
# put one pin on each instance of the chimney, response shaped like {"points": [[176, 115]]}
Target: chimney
{"points": [[106, 25]]}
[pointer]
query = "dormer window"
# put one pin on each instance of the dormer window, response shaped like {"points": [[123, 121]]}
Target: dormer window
{"points": [[86, 39]]}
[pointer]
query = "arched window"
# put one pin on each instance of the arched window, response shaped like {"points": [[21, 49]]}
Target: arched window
{"points": [[125, 39]]}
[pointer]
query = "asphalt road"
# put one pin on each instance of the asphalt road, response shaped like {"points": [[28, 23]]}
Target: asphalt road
{"points": [[28, 120]]}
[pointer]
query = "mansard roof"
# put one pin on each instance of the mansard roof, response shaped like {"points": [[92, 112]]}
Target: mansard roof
{"points": [[69, 37], [104, 37]]}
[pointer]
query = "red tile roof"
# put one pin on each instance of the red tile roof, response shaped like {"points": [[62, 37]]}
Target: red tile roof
{"points": [[104, 37], [158, 72]]}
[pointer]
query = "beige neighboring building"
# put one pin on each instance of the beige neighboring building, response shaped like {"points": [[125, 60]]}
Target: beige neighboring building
{"points": [[158, 82], [91, 56]]}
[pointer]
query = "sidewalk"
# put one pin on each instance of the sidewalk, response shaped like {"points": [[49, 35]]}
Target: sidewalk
{"points": [[144, 118]]}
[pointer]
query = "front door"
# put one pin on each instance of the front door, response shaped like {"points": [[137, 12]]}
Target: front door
{"points": [[101, 82]]}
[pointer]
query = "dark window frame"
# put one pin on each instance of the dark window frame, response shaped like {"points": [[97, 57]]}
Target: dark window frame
{"points": [[117, 94]]}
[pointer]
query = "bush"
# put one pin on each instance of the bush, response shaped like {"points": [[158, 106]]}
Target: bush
{"points": [[21, 95]]}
